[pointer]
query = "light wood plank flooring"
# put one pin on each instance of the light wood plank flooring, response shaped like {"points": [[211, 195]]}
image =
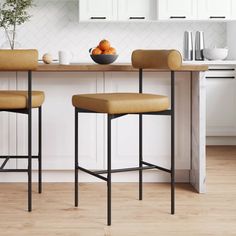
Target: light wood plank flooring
{"points": [[213, 213]]}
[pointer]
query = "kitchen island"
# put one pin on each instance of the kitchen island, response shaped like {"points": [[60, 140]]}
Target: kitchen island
{"points": [[61, 82]]}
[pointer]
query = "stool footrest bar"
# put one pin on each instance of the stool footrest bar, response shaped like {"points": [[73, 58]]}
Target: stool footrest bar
{"points": [[126, 169], [92, 173], [4, 163], [18, 157], [14, 170], [156, 167]]}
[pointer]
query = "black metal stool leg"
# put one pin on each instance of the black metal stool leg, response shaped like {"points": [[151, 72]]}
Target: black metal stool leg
{"points": [[76, 158], [40, 149], [173, 143], [29, 141], [109, 169], [140, 157]]}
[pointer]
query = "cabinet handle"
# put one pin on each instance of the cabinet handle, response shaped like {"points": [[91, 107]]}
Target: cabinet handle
{"points": [[222, 77], [137, 18], [98, 18], [229, 69], [217, 17], [178, 17]]}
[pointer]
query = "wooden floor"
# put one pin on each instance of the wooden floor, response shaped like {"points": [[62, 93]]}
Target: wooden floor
{"points": [[213, 213]]}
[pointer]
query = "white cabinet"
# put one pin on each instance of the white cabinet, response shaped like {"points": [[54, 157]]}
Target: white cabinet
{"points": [[214, 9], [136, 10], [156, 132], [8, 143], [58, 121], [97, 10], [221, 100], [177, 9], [141, 10], [233, 8]]}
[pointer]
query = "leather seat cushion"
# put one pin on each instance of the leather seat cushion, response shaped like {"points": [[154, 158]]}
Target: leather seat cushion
{"points": [[121, 103], [10, 99]]}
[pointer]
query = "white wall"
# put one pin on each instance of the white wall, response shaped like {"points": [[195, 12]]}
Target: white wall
{"points": [[54, 26]]}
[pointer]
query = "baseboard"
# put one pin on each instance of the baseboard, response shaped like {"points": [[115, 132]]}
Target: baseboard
{"points": [[217, 141], [68, 176]]}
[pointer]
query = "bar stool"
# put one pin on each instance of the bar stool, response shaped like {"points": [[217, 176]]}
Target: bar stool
{"points": [[22, 102], [116, 105]]}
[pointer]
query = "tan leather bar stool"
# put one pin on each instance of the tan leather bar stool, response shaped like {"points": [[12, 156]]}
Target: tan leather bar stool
{"points": [[116, 105], [22, 102]]}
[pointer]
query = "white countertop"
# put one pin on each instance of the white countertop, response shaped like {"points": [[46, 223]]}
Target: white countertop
{"points": [[226, 62]]}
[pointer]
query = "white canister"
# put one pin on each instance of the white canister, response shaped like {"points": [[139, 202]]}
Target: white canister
{"points": [[65, 57]]}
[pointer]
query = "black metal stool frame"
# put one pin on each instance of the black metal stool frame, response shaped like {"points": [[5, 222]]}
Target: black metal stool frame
{"points": [[28, 112], [143, 165]]}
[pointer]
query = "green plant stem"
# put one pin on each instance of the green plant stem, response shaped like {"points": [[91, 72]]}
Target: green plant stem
{"points": [[9, 39], [14, 27]]}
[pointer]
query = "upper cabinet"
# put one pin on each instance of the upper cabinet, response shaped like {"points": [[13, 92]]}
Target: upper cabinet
{"points": [[146, 10], [233, 12], [214, 9], [141, 10], [97, 10], [177, 9]]}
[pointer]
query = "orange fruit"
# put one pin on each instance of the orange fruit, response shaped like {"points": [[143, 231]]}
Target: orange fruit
{"points": [[113, 50], [110, 51], [104, 45], [107, 52], [96, 51]]}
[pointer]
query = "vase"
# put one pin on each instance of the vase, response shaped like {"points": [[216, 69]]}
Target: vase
{"points": [[10, 40]]}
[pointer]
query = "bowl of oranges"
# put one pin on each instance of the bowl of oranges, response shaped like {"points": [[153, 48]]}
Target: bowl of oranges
{"points": [[103, 54]]}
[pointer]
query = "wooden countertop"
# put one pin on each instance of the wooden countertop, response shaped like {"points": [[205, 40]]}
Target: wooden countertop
{"points": [[103, 68]]}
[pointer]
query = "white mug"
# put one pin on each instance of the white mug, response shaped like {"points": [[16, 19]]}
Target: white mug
{"points": [[65, 57]]}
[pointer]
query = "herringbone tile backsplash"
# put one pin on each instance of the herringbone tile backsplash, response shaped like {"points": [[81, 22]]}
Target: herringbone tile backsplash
{"points": [[54, 26]]}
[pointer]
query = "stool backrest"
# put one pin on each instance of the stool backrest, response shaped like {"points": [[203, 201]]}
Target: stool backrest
{"points": [[157, 59], [18, 60]]}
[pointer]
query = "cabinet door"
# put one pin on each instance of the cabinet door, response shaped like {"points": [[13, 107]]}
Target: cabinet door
{"points": [[156, 129], [233, 13], [221, 100], [177, 9], [138, 10], [97, 10], [8, 144], [214, 9], [58, 121]]}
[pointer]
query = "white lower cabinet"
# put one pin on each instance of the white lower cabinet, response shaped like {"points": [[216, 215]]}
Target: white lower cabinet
{"points": [[58, 122], [156, 129], [8, 142], [221, 100]]}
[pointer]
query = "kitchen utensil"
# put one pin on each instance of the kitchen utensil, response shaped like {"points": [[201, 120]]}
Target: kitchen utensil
{"points": [[103, 59], [65, 57], [215, 53], [199, 46], [188, 46]]}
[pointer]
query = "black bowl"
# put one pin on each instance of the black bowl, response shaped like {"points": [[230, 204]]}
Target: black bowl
{"points": [[104, 59]]}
